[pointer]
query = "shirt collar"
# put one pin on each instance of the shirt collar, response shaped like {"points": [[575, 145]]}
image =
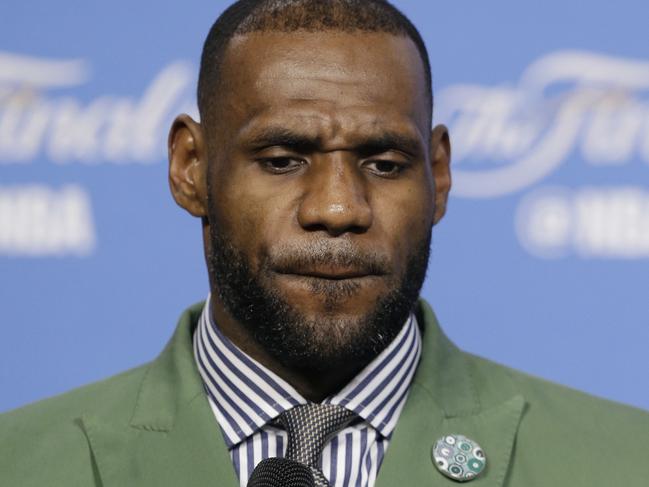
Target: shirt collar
{"points": [[245, 395]]}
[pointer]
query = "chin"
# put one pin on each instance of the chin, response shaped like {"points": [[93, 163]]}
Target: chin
{"points": [[316, 331], [323, 341], [347, 316]]}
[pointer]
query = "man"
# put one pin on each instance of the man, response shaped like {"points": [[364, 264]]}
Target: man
{"points": [[318, 179]]}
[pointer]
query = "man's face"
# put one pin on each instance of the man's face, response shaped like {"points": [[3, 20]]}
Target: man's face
{"points": [[320, 191]]}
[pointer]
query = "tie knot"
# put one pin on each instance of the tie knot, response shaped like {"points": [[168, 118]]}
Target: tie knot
{"points": [[309, 426]]}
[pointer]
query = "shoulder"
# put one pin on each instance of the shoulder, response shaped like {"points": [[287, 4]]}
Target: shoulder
{"points": [[111, 394], [546, 398], [564, 432], [48, 433], [47, 443]]}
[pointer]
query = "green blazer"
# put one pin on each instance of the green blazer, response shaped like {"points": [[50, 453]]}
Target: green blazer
{"points": [[152, 427]]}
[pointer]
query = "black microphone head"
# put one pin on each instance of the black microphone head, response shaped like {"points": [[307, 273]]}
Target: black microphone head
{"points": [[280, 472]]}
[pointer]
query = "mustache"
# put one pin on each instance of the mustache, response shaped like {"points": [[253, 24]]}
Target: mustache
{"points": [[296, 257]]}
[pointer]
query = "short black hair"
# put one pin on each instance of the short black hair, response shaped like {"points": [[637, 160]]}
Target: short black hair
{"points": [[247, 16]]}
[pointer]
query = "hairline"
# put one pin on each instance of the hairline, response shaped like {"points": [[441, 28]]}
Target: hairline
{"points": [[240, 34]]}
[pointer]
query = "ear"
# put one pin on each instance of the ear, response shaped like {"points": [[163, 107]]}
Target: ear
{"points": [[188, 165], [440, 147]]}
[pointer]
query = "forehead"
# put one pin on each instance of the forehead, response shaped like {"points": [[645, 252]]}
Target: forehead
{"points": [[326, 80]]}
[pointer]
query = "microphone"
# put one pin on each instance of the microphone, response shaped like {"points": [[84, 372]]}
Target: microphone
{"points": [[280, 472]]}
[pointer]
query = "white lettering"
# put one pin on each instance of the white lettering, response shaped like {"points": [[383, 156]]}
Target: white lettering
{"points": [[610, 223], [509, 138], [67, 130], [38, 221]]}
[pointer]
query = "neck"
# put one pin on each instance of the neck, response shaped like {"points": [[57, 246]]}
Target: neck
{"points": [[313, 385]]}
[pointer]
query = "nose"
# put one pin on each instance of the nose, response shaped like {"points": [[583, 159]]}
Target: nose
{"points": [[335, 198]]}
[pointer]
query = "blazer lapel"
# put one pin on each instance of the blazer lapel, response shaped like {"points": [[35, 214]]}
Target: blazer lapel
{"points": [[172, 437], [444, 400]]}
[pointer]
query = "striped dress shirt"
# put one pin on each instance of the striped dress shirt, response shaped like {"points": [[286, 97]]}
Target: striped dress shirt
{"points": [[246, 398]]}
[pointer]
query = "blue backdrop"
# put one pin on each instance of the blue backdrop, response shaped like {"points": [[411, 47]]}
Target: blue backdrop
{"points": [[541, 262]]}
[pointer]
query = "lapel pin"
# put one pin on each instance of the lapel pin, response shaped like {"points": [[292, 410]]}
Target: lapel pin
{"points": [[459, 458]]}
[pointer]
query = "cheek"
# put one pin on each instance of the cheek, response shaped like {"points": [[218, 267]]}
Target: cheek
{"points": [[404, 217], [252, 212], [405, 211], [232, 211]]}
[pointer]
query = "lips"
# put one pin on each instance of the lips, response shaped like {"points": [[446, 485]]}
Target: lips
{"points": [[330, 273], [335, 276]]}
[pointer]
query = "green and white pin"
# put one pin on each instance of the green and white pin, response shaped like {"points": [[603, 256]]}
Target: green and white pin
{"points": [[459, 458]]}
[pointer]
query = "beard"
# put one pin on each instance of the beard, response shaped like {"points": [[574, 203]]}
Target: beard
{"points": [[317, 344]]}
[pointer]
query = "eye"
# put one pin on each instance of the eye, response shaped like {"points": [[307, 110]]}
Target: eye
{"points": [[281, 165], [385, 168]]}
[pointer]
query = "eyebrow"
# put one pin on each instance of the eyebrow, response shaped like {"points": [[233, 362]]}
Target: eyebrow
{"points": [[280, 136], [366, 145]]}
